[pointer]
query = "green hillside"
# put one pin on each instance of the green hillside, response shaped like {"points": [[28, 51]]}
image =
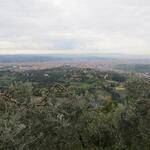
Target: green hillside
{"points": [[69, 108]]}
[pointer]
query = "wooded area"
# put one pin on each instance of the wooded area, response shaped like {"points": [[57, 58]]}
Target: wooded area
{"points": [[74, 109]]}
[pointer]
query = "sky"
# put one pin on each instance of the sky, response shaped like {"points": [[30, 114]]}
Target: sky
{"points": [[75, 26]]}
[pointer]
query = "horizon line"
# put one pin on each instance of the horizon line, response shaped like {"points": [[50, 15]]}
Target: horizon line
{"points": [[69, 52]]}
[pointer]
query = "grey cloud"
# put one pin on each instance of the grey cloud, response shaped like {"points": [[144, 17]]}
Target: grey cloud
{"points": [[75, 24]]}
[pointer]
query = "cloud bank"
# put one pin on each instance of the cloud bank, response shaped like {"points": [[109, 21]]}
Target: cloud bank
{"points": [[75, 26]]}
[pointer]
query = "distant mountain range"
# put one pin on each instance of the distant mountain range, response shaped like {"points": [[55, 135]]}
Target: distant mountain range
{"points": [[43, 58]]}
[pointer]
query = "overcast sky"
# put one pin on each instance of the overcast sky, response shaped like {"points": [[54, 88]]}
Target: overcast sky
{"points": [[75, 26]]}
